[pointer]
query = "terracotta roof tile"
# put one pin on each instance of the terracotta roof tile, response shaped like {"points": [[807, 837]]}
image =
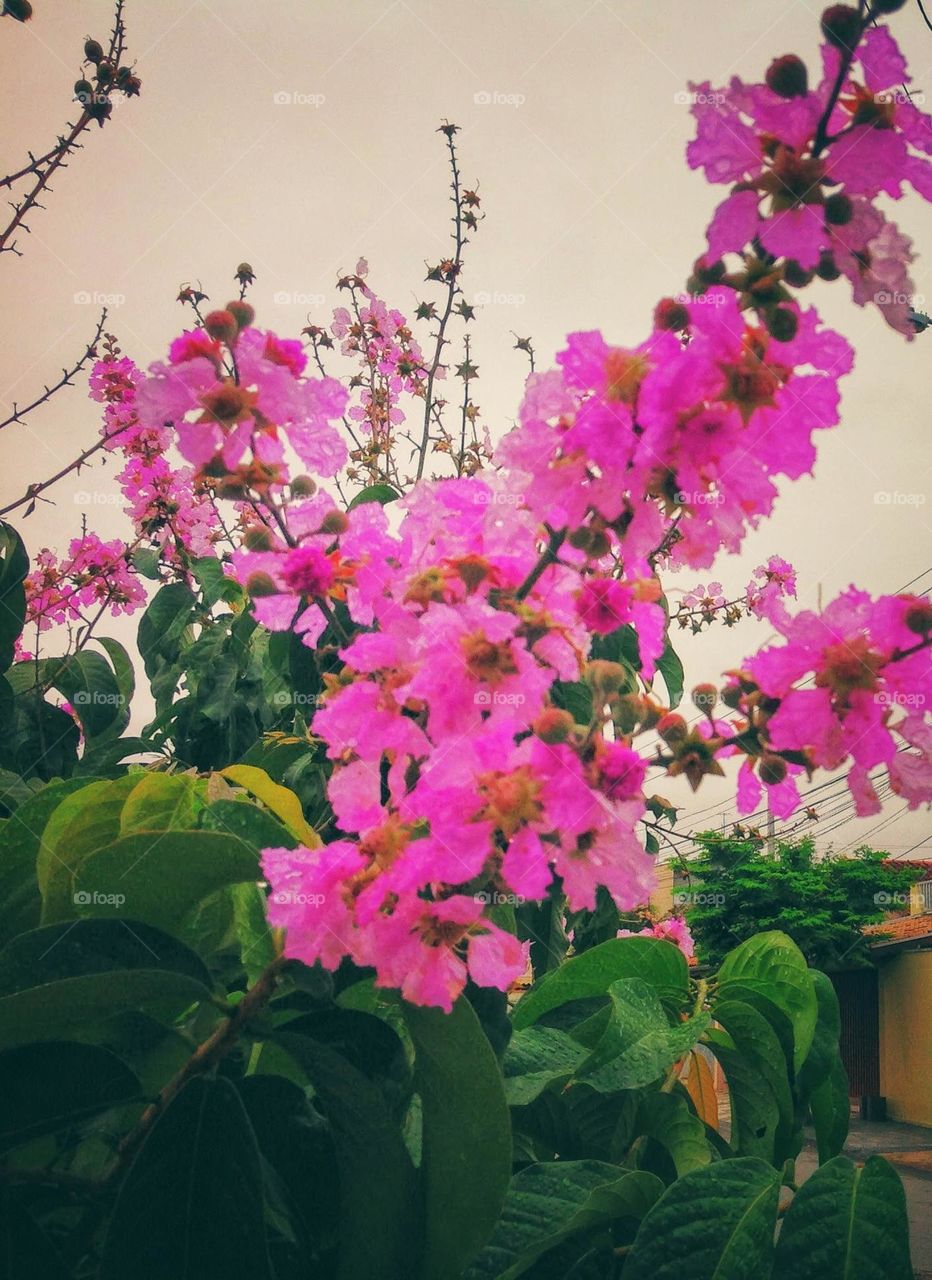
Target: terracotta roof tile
{"points": [[901, 927]]}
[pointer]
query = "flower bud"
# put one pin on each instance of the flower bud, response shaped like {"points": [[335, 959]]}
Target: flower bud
{"points": [[827, 268], [261, 584], [93, 50], [672, 728], [781, 323], [704, 697], [732, 695], [242, 312], [104, 73], [628, 712], [887, 6], [21, 10], [257, 538], [334, 522], [303, 486], [670, 314], [594, 542], [841, 26], [772, 769], [605, 677], [838, 209], [787, 76], [244, 273], [83, 91], [222, 325], [918, 617], [553, 725], [794, 275]]}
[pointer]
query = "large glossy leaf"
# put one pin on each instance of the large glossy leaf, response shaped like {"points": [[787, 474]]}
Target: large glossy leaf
{"points": [[671, 668], [638, 1043], [700, 1085], [84, 821], [159, 877], [755, 1112], [20, 838], [770, 964], [191, 1207], [379, 1209], [658, 962], [254, 825], [466, 1142], [666, 1119], [830, 1108], [162, 802], [58, 1010], [716, 1223], [549, 1203], [80, 947], [846, 1222], [46, 1087], [762, 1059], [381, 493], [537, 1058], [824, 1050], [280, 800], [163, 623], [90, 685]]}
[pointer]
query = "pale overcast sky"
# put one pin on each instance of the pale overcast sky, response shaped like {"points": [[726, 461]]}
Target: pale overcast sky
{"points": [[300, 135]]}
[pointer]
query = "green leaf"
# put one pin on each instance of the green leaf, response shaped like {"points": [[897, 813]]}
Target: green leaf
{"points": [[535, 1059], [80, 947], [48, 1087], [252, 824], [14, 565], [162, 802], [575, 697], [84, 822], [846, 1222], [759, 1070], [146, 561], [638, 1043], [163, 623], [191, 1206], [772, 965], [89, 684], [159, 877], [466, 1144], [383, 493], [58, 1010], [671, 668], [215, 585], [122, 665], [658, 962], [715, 1223], [549, 1203], [824, 1051], [256, 940], [20, 837], [830, 1108], [666, 1119], [378, 1190]]}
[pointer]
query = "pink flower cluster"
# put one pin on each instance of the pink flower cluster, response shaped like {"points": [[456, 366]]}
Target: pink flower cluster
{"points": [[806, 164], [672, 929], [851, 686], [701, 430], [455, 772], [164, 502], [93, 574], [233, 403]]}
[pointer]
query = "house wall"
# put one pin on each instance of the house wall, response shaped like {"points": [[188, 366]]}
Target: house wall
{"points": [[661, 900], [906, 1036]]}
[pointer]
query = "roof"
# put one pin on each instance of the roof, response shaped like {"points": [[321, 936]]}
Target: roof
{"points": [[902, 929]]}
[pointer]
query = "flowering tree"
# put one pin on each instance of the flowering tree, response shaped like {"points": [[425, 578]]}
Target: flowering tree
{"points": [[411, 674]]}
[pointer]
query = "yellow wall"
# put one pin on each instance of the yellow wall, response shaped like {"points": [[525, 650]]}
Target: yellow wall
{"points": [[906, 1036]]}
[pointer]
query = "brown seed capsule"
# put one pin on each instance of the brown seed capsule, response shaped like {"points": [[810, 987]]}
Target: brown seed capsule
{"points": [[788, 76], [772, 770], [781, 323], [222, 325], [93, 50], [838, 209], [918, 618], [303, 487], [672, 728], [794, 274], [704, 697], [334, 522], [261, 584], [670, 314], [257, 538], [841, 26]]}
